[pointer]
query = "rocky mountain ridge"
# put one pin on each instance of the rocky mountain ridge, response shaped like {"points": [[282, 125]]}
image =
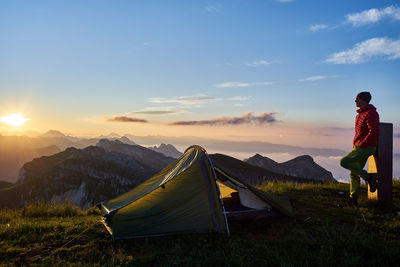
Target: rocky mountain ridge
{"points": [[167, 149], [17, 150], [84, 176], [302, 166], [142, 154]]}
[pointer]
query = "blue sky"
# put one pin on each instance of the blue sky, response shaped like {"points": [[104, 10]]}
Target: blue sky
{"points": [[88, 67]]}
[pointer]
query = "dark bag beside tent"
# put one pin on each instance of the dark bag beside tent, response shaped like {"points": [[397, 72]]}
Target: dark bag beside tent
{"points": [[183, 198]]}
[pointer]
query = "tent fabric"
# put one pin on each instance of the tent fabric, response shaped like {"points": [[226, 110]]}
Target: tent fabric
{"points": [[182, 198], [248, 199]]}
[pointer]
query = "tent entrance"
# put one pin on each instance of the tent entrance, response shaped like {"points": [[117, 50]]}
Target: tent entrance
{"points": [[239, 201]]}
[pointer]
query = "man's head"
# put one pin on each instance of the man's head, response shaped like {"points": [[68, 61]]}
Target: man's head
{"points": [[363, 99]]}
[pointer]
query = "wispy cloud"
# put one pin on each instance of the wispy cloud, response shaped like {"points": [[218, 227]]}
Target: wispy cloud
{"points": [[317, 78], [215, 8], [248, 118], [366, 50], [257, 63], [198, 99], [158, 111], [241, 84], [318, 27], [373, 15], [126, 119]]}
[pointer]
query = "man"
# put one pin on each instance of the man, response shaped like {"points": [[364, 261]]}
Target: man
{"points": [[365, 143]]}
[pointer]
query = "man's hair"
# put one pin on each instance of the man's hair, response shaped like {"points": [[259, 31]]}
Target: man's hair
{"points": [[366, 96]]}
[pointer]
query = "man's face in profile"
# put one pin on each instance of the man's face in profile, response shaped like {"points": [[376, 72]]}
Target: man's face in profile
{"points": [[360, 103]]}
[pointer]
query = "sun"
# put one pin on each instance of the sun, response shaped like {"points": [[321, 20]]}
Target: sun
{"points": [[14, 119]]}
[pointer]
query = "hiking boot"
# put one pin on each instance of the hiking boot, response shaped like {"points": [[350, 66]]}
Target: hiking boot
{"points": [[353, 200], [372, 179]]}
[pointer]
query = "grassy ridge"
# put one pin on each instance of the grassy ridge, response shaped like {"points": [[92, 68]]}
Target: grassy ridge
{"points": [[323, 233]]}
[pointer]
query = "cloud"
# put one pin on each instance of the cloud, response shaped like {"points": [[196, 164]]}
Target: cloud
{"points": [[248, 118], [158, 111], [198, 99], [317, 78], [257, 63], [396, 135], [318, 27], [366, 50], [217, 7], [126, 119], [241, 84], [373, 15]]}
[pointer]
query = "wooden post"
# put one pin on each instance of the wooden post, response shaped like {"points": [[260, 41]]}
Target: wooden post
{"points": [[382, 163]]}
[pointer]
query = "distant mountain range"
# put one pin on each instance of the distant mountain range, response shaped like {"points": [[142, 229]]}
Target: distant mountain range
{"points": [[84, 176], [17, 150], [209, 144], [236, 146], [102, 172], [302, 166]]}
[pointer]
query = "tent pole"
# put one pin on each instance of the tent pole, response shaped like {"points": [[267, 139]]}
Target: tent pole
{"points": [[219, 194]]}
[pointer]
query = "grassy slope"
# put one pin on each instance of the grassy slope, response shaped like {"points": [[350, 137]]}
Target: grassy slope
{"points": [[322, 233]]}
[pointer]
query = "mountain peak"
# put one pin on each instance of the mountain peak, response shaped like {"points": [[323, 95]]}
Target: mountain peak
{"points": [[126, 140], [261, 159], [53, 133], [108, 142], [304, 158], [167, 149]]}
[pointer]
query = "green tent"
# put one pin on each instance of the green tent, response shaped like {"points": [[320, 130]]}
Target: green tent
{"points": [[185, 197]]}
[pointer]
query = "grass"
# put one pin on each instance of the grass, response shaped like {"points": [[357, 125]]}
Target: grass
{"points": [[324, 232]]}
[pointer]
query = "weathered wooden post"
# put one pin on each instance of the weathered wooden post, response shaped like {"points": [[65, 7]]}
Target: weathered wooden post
{"points": [[382, 163]]}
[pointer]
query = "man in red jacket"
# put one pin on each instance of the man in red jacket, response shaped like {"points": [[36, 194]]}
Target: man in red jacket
{"points": [[364, 145]]}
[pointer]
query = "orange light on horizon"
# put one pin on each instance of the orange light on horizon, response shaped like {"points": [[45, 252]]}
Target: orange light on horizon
{"points": [[14, 120]]}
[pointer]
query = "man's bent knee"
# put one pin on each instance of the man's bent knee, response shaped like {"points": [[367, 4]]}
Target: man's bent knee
{"points": [[344, 162]]}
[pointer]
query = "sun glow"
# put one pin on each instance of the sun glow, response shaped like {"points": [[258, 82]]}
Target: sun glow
{"points": [[14, 119]]}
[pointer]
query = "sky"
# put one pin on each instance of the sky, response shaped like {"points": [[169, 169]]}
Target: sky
{"points": [[277, 71]]}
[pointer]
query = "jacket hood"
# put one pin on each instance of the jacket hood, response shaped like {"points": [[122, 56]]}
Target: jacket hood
{"points": [[366, 108]]}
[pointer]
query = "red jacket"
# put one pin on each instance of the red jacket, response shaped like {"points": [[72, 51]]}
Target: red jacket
{"points": [[367, 127]]}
